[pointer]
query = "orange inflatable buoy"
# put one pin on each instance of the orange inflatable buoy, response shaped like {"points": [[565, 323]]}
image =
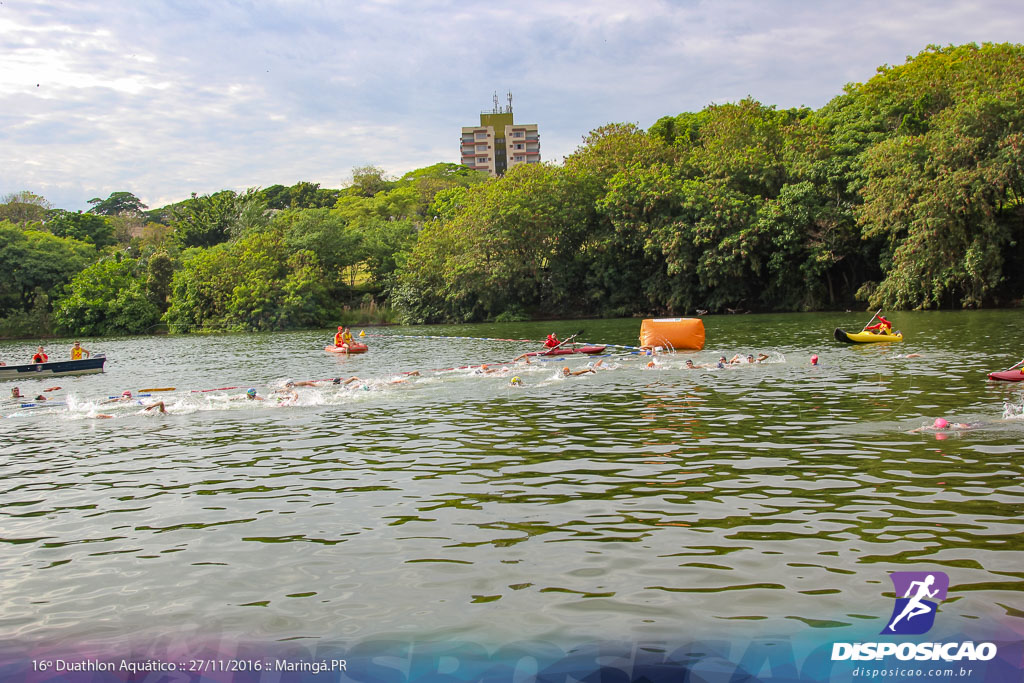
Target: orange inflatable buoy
{"points": [[673, 333]]}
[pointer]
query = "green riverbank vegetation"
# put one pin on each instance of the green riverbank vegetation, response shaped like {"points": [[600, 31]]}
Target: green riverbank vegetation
{"points": [[906, 191]]}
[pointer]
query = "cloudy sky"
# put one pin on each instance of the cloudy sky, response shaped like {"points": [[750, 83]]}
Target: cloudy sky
{"points": [[167, 97]]}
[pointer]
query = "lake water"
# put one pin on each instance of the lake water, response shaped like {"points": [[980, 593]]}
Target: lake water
{"points": [[634, 503]]}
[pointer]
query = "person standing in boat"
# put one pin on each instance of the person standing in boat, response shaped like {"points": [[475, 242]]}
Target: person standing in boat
{"points": [[77, 350], [40, 356]]}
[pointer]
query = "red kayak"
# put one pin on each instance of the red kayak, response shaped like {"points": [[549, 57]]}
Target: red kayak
{"points": [[566, 352], [352, 348], [1008, 375]]}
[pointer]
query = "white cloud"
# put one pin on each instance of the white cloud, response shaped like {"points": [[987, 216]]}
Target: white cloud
{"points": [[167, 98]]}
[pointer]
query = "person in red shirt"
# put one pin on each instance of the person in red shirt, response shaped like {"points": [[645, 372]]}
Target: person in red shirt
{"points": [[551, 342], [882, 327], [40, 356]]}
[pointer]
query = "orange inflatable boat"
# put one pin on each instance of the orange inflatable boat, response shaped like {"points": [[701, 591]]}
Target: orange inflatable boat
{"points": [[352, 348], [673, 333]]}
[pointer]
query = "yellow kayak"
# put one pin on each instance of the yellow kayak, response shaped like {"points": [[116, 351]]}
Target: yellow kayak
{"points": [[866, 337]]}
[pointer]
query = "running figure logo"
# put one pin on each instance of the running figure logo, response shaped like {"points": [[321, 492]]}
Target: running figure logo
{"points": [[914, 613]]}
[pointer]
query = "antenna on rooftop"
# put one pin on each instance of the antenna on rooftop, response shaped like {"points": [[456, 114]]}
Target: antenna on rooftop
{"points": [[497, 109], [509, 109]]}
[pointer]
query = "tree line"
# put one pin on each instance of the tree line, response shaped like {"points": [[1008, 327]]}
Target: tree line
{"points": [[901, 192]]}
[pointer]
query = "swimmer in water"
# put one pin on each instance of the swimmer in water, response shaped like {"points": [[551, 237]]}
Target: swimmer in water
{"points": [[158, 406], [288, 383], [286, 396], [941, 425], [814, 359], [568, 373]]}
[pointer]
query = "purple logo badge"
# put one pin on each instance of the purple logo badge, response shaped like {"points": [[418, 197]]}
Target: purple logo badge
{"points": [[918, 595]]}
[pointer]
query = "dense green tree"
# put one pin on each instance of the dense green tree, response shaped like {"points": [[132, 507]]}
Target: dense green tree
{"points": [[108, 297], [367, 181], [36, 262], [159, 273], [206, 220], [499, 254], [211, 219], [85, 227], [325, 233], [254, 283], [117, 204], [945, 189], [276, 197], [23, 207]]}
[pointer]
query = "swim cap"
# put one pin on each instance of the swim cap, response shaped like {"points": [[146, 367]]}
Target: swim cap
{"points": [[336, 380], [250, 392], [126, 393], [940, 423], [516, 381], [814, 359]]}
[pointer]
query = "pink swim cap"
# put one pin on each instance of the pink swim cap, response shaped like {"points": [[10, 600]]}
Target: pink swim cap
{"points": [[940, 423], [814, 358]]}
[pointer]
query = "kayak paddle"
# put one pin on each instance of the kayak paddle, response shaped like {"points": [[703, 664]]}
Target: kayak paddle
{"points": [[567, 339], [872, 320]]}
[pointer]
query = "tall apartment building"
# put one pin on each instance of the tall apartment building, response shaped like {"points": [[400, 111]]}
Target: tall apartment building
{"points": [[498, 143]]}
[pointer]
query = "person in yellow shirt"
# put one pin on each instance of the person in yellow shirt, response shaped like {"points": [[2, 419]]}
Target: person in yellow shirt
{"points": [[77, 350]]}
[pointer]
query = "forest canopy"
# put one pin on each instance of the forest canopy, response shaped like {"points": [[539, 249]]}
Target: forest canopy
{"points": [[901, 192]]}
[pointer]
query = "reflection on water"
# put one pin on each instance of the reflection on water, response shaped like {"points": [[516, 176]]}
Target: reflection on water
{"points": [[632, 502]]}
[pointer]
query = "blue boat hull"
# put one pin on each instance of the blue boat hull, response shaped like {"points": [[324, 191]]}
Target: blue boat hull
{"points": [[86, 366]]}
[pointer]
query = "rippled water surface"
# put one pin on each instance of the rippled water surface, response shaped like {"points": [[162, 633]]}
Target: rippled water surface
{"points": [[634, 502]]}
